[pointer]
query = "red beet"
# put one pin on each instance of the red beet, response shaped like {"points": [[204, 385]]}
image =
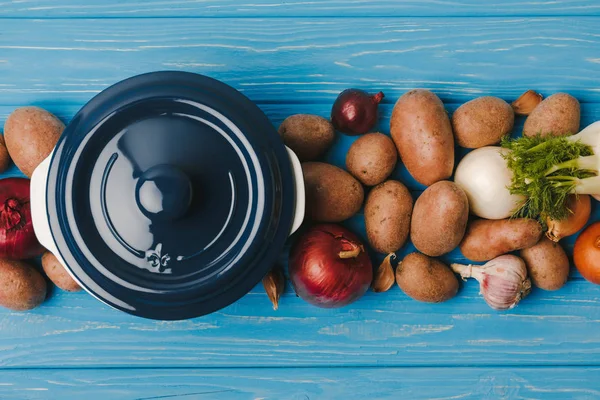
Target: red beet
{"points": [[17, 238]]}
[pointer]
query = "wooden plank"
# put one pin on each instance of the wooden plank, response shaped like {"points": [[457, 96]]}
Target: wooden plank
{"points": [[304, 60], [304, 383], [547, 328], [276, 8]]}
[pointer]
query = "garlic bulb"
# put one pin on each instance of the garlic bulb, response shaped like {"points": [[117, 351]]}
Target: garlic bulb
{"points": [[503, 280]]}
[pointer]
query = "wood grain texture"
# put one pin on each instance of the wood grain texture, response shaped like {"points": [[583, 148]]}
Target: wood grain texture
{"points": [[296, 8], [303, 384], [293, 57], [390, 329], [304, 60]]}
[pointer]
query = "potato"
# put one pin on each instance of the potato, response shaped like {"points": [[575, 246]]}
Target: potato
{"points": [[22, 287], [439, 219], [309, 136], [557, 115], [422, 133], [487, 239], [547, 264], [426, 279], [482, 122], [31, 134], [372, 158], [387, 216], [4, 156], [332, 194], [58, 274]]}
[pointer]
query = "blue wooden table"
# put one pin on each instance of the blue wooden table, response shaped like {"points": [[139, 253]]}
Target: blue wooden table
{"points": [[295, 57]]}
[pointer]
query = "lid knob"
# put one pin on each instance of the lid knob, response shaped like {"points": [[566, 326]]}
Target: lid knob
{"points": [[164, 192]]}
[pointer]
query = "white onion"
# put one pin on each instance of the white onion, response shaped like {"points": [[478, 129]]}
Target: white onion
{"points": [[485, 178]]}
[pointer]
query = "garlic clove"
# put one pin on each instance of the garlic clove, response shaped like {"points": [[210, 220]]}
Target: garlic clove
{"points": [[525, 104], [503, 281], [274, 284], [384, 277]]}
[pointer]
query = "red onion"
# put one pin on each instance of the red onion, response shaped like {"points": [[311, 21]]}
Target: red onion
{"points": [[17, 239], [355, 111], [329, 266]]}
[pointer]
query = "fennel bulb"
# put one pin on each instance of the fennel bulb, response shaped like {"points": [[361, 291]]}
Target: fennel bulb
{"points": [[485, 178]]}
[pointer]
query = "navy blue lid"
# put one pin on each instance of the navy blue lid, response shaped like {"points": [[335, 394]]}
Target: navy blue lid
{"points": [[170, 195]]}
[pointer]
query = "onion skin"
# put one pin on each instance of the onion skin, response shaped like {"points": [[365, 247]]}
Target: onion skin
{"points": [[581, 208], [17, 238], [586, 253], [354, 112], [329, 267]]}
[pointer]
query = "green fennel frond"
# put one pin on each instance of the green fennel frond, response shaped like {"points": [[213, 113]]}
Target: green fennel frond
{"points": [[530, 159]]}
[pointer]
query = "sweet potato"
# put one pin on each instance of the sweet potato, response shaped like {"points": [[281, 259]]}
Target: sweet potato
{"points": [[487, 239]]}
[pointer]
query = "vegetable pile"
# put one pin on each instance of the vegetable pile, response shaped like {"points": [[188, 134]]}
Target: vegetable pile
{"points": [[510, 202], [30, 134]]}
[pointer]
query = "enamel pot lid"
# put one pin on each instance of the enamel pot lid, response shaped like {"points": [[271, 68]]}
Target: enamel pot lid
{"points": [[169, 195]]}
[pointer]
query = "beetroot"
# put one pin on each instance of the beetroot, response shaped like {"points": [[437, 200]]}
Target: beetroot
{"points": [[17, 238]]}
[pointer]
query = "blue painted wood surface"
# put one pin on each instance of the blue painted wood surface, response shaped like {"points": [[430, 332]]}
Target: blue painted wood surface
{"points": [[293, 8], [294, 57], [304, 383]]}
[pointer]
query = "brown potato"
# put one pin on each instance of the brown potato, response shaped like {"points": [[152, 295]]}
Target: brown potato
{"points": [[426, 279], [22, 287], [482, 122], [439, 219], [332, 194], [487, 239], [387, 216], [4, 156], [309, 136], [372, 158], [58, 274], [422, 133], [31, 134], [547, 264], [557, 115]]}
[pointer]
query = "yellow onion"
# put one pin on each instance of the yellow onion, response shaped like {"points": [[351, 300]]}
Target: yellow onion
{"points": [[580, 209]]}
